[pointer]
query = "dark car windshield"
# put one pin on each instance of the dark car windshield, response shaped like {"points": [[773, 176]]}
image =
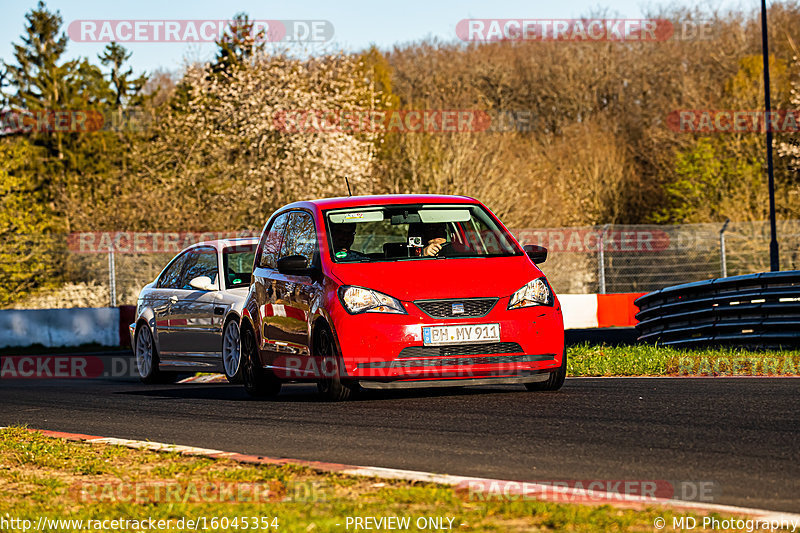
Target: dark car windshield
{"points": [[237, 263], [406, 232]]}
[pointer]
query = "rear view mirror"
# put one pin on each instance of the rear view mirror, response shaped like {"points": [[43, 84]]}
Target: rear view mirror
{"points": [[294, 265], [536, 253], [203, 283], [406, 218]]}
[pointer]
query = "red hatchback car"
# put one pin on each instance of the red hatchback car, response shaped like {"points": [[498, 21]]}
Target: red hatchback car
{"points": [[397, 291]]}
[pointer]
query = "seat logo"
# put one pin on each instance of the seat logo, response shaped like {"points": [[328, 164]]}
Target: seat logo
{"points": [[457, 309]]}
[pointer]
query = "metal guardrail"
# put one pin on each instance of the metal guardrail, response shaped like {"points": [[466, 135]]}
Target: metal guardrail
{"points": [[760, 310]]}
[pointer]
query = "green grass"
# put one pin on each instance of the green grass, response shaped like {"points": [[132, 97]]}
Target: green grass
{"points": [[649, 360], [55, 478]]}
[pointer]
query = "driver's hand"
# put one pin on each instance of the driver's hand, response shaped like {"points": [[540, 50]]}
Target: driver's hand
{"points": [[433, 247]]}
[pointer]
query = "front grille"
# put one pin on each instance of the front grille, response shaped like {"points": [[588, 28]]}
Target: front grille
{"points": [[458, 361], [461, 349], [473, 307]]}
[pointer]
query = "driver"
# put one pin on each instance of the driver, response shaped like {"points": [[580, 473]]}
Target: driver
{"points": [[435, 237], [342, 237]]}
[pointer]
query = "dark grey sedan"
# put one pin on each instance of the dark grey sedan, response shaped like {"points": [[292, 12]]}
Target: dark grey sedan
{"points": [[187, 319]]}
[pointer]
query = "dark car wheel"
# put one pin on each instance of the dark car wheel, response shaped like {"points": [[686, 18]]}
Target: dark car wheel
{"points": [[147, 359], [258, 383], [554, 381], [331, 387]]}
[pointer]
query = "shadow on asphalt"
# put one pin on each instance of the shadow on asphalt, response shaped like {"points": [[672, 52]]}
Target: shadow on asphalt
{"points": [[304, 393]]}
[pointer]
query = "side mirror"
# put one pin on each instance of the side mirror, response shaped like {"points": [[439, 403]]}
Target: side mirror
{"points": [[537, 254], [203, 283], [294, 265]]}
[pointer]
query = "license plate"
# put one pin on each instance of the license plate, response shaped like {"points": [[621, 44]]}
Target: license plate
{"points": [[466, 334]]}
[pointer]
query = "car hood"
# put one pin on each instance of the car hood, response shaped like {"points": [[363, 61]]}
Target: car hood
{"points": [[440, 278]]}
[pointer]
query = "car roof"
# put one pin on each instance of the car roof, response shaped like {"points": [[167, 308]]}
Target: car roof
{"points": [[383, 199], [219, 244]]}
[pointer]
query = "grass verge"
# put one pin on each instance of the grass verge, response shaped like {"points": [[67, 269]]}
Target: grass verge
{"points": [[649, 360], [48, 477]]}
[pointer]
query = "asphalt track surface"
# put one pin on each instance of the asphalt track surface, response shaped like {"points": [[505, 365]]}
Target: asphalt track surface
{"points": [[742, 434]]}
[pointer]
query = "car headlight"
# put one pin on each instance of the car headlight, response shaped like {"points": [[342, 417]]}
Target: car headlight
{"points": [[535, 292], [360, 300]]}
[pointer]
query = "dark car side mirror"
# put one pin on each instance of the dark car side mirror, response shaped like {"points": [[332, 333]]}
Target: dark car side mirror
{"points": [[294, 265], [537, 254]]}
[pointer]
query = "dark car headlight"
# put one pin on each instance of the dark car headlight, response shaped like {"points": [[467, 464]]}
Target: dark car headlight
{"points": [[536, 292], [360, 300]]}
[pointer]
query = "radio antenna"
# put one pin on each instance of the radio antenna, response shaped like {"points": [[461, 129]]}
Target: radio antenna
{"points": [[347, 181]]}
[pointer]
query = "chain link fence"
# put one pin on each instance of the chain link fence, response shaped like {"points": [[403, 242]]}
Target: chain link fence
{"points": [[109, 269], [644, 258]]}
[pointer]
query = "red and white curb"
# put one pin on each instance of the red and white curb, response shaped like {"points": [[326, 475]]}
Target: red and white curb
{"points": [[510, 488]]}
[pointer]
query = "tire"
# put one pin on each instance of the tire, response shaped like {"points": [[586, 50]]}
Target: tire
{"points": [[258, 383], [232, 352], [555, 381], [330, 387], [147, 360]]}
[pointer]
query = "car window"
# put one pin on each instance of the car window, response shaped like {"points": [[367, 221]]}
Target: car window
{"points": [[401, 232], [237, 263], [271, 242], [301, 237], [201, 262], [171, 277]]}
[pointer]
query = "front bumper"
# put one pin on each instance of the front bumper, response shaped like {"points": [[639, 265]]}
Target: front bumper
{"points": [[388, 347], [465, 382]]}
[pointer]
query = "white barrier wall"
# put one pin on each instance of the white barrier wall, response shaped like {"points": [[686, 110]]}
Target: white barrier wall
{"points": [[59, 327], [580, 310]]}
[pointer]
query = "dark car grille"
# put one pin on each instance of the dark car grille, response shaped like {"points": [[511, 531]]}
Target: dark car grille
{"points": [[459, 361], [473, 307], [461, 349]]}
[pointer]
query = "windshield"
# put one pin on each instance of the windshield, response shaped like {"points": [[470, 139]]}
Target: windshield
{"points": [[415, 232], [237, 263]]}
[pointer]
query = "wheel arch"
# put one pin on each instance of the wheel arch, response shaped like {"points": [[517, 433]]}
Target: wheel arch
{"points": [[232, 315], [147, 318], [322, 321]]}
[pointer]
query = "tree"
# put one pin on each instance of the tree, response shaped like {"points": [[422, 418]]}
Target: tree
{"points": [[76, 171], [40, 78], [714, 182], [239, 44], [25, 254], [126, 88], [42, 82], [224, 152]]}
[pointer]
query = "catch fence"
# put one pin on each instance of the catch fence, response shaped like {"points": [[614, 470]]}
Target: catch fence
{"points": [[109, 268]]}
